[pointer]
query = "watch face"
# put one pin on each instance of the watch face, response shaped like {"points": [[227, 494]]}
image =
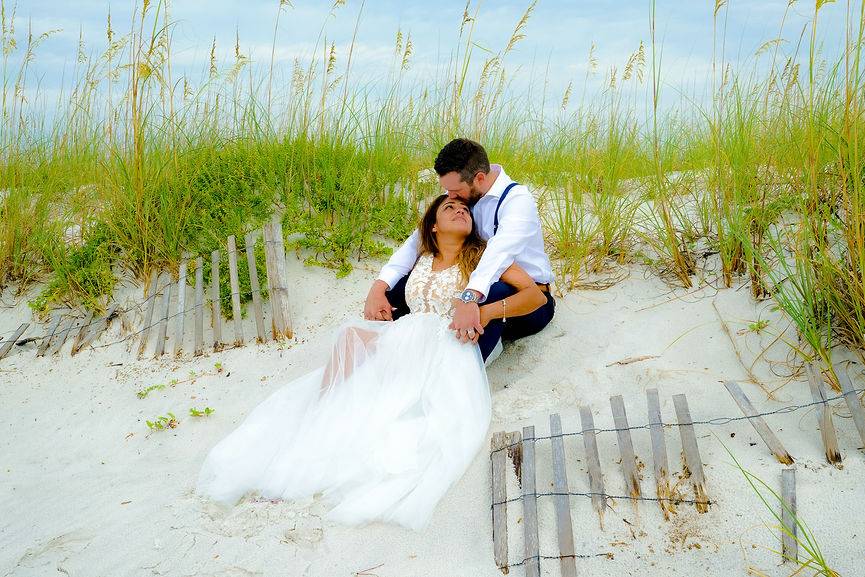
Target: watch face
{"points": [[467, 296]]}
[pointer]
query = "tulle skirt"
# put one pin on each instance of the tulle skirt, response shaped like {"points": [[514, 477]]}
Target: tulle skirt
{"points": [[380, 433]]}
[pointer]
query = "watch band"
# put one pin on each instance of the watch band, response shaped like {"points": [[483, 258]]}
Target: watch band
{"points": [[469, 296]]}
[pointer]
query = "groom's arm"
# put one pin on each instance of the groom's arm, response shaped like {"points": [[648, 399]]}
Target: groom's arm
{"points": [[402, 261], [377, 307], [518, 223]]}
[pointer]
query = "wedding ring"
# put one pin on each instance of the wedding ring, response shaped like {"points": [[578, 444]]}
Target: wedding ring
{"points": [[470, 332]]}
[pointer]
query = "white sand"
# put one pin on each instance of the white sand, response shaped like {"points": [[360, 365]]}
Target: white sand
{"points": [[87, 490]]}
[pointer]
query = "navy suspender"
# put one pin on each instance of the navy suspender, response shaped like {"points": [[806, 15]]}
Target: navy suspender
{"points": [[501, 200]]}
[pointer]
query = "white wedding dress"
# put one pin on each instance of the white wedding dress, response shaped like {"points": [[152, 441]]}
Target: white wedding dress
{"points": [[380, 434]]}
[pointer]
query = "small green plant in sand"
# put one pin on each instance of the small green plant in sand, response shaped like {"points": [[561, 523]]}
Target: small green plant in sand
{"points": [[163, 422], [193, 376], [758, 326], [200, 412], [145, 391]]}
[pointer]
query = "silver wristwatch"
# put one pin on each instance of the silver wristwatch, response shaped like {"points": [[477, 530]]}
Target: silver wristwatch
{"points": [[469, 296]]}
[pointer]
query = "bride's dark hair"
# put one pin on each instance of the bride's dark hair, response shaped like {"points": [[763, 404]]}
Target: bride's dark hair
{"points": [[473, 245]]}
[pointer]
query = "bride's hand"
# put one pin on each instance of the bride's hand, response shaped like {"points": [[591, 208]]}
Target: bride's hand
{"points": [[466, 322], [377, 307]]}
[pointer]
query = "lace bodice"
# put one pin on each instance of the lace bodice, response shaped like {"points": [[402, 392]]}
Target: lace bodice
{"points": [[429, 291]]}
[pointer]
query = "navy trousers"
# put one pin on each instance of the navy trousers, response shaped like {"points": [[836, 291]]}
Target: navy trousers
{"points": [[514, 328]]}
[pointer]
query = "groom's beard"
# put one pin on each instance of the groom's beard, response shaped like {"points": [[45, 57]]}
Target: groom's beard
{"points": [[474, 196]]}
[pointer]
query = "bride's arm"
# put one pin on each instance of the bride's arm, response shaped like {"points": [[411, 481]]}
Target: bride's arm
{"points": [[527, 299]]}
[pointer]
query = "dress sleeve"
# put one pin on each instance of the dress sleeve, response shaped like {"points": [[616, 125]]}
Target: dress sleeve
{"points": [[402, 261]]}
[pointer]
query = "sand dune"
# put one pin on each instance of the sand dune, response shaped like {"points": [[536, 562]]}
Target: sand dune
{"points": [[87, 490]]}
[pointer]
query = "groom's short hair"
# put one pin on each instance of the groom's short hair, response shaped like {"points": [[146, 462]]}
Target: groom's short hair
{"points": [[464, 156]]}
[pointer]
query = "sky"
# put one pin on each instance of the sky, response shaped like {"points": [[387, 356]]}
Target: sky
{"points": [[555, 52]]}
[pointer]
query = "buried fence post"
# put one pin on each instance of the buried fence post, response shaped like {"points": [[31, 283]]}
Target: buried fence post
{"points": [[626, 447], [659, 453], [181, 305], [100, 326], [596, 478], [235, 290], [7, 346], [758, 423], [277, 278], [148, 317], [530, 505], [852, 402], [564, 524], [46, 340], [500, 496], [214, 300], [83, 327], [199, 306], [249, 241], [692, 452], [827, 430], [789, 546], [163, 321], [61, 338]]}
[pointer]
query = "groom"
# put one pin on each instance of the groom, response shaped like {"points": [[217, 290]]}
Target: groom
{"points": [[506, 216]]}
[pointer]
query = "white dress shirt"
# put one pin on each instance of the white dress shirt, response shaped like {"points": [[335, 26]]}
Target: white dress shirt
{"points": [[519, 239]]}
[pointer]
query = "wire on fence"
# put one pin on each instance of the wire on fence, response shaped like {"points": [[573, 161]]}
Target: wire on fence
{"points": [[239, 251], [674, 500], [557, 557], [714, 421], [205, 304]]}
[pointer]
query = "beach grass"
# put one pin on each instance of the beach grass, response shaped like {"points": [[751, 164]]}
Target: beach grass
{"points": [[134, 165]]}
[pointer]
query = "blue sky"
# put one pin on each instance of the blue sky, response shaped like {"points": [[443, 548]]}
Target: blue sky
{"points": [[559, 34]]}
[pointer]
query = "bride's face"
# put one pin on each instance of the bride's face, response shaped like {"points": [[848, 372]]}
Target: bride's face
{"points": [[453, 217]]}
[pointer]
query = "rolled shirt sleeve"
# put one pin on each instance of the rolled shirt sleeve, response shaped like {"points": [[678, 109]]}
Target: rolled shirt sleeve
{"points": [[402, 261], [518, 223]]}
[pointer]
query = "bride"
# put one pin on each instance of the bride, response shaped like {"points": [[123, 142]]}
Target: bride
{"points": [[396, 415]]}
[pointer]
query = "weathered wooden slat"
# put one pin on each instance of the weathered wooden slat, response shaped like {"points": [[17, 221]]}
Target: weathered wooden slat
{"points": [[277, 322], [515, 454], [500, 496], [659, 454], [824, 420], [7, 345], [99, 326], [83, 328], [593, 460], [277, 279], [564, 524], [60, 338], [216, 316], [530, 505], [199, 306], [789, 546], [852, 400], [235, 291], [163, 320], [180, 311], [148, 317], [758, 423], [282, 279], [249, 241], [626, 447], [46, 340], [692, 452]]}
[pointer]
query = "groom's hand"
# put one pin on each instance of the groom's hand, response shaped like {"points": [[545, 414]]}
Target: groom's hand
{"points": [[467, 322], [377, 307]]}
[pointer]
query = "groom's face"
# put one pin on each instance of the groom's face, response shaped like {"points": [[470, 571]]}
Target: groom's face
{"points": [[457, 188]]}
